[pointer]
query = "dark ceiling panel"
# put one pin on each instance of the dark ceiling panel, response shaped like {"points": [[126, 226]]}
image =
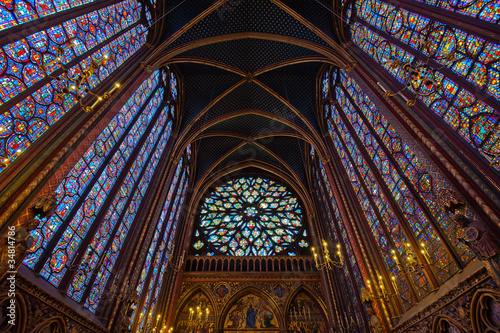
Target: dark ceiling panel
{"points": [[250, 125], [180, 14], [297, 85], [250, 54], [202, 84], [249, 152], [315, 13], [209, 150], [249, 96], [243, 16], [290, 150]]}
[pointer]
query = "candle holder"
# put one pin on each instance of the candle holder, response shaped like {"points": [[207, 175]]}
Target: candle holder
{"points": [[197, 318], [74, 82], [420, 76], [170, 261], [328, 263], [368, 295], [412, 264], [300, 319]]}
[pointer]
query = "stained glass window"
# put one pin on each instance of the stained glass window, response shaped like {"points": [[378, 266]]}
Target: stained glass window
{"points": [[370, 149], [155, 265], [353, 282], [15, 12], [251, 216], [74, 185], [161, 263], [99, 199], [487, 10], [393, 35], [112, 31]]}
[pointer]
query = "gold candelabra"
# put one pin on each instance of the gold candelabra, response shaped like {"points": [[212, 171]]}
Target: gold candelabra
{"points": [[420, 77], [384, 291], [197, 318], [300, 319], [170, 260], [328, 263], [74, 82], [412, 263]]}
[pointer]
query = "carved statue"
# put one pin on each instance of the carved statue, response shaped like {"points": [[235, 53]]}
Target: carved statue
{"points": [[375, 323], [450, 201], [128, 309], [482, 242], [44, 205], [17, 241], [365, 295]]}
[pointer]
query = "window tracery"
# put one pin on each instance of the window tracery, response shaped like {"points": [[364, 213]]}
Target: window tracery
{"points": [[464, 64], [114, 31], [375, 156], [251, 216], [100, 197]]}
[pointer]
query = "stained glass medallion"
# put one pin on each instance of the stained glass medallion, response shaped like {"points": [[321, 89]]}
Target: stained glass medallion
{"points": [[251, 216]]}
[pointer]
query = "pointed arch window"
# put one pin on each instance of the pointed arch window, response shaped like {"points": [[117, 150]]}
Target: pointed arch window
{"points": [[15, 12], [395, 192], [350, 276], [158, 256], [30, 100], [466, 93], [483, 10], [79, 245]]}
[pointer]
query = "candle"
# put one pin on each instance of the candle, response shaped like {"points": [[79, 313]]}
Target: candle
{"points": [[309, 311], [393, 278], [295, 313]]}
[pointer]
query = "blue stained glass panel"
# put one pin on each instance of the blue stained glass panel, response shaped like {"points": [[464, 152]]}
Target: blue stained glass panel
{"points": [[55, 268], [72, 187]]}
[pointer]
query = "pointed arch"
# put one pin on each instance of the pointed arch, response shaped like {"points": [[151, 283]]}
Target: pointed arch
{"points": [[20, 312], [483, 305], [54, 325], [312, 295], [251, 291], [441, 324], [199, 289]]}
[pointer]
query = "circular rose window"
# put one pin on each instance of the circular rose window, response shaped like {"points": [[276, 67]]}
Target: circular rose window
{"points": [[250, 216]]}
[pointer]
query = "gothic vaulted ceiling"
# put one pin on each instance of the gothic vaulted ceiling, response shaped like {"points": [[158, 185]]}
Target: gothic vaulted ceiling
{"points": [[249, 73]]}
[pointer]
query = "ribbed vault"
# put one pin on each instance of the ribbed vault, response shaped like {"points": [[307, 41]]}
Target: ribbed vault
{"points": [[249, 72]]}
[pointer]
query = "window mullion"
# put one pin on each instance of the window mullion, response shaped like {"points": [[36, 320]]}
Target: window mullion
{"points": [[165, 235], [63, 285], [381, 220], [123, 212], [334, 229], [20, 31], [158, 280], [81, 199], [444, 239], [483, 29], [486, 98], [30, 90], [388, 194]]}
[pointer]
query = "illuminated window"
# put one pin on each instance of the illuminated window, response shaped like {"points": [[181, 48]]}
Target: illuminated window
{"points": [[120, 163], [251, 216]]}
